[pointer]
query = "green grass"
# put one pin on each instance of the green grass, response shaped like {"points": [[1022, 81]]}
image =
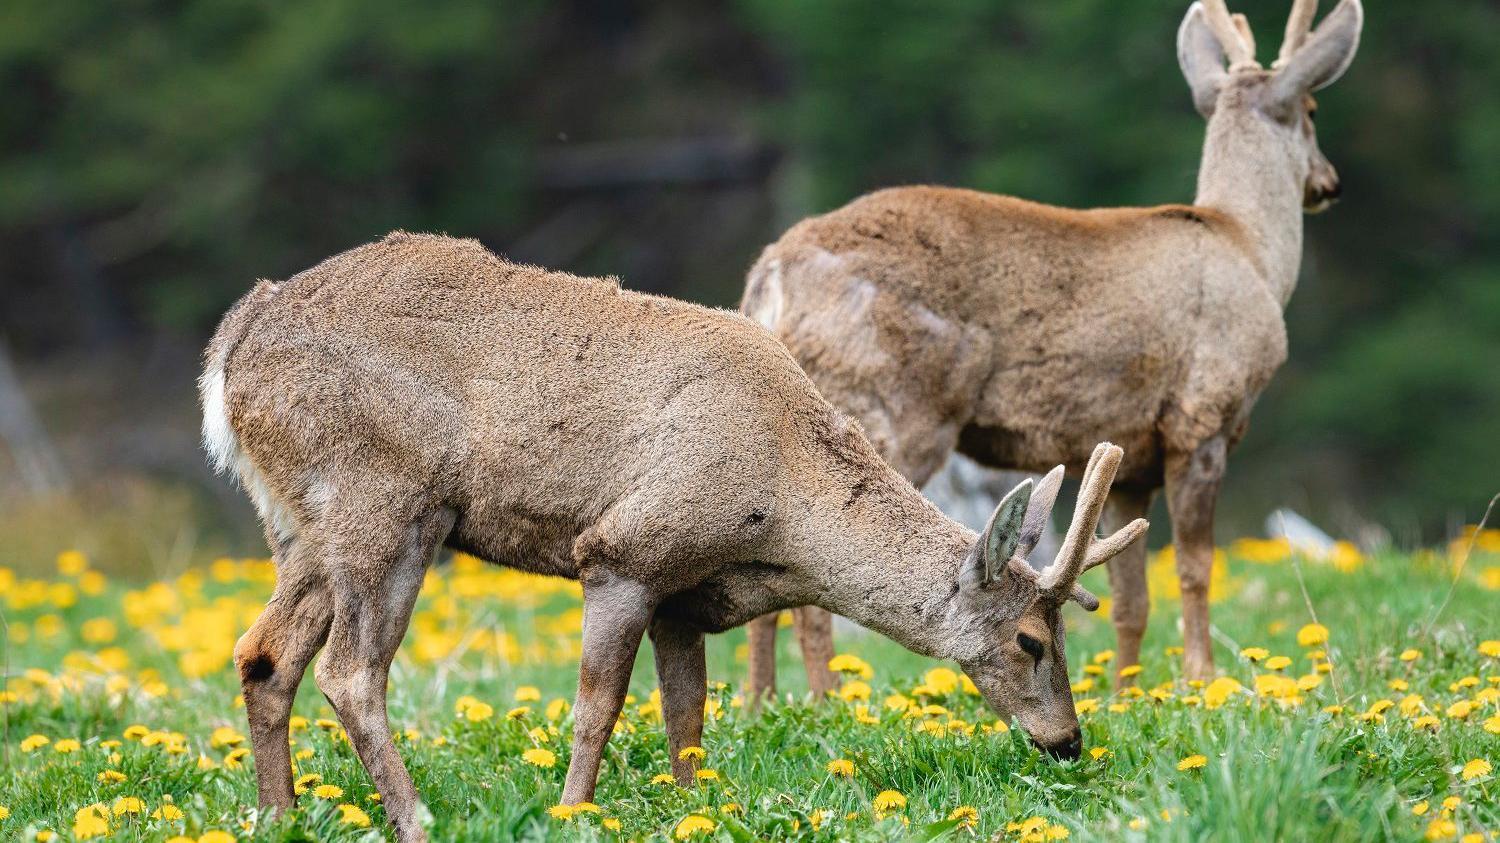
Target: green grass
{"points": [[1272, 772]]}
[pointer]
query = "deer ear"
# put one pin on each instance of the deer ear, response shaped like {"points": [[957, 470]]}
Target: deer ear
{"points": [[1324, 57], [1001, 535], [1201, 57]]}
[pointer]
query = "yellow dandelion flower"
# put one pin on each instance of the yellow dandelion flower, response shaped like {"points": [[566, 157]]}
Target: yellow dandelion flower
{"points": [[1104, 656], [1426, 721], [1410, 655], [731, 808], [1490, 649], [136, 732], [1492, 725], [841, 767], [1255, 654], [528, 693], [1086, 706], [4, 813], [611, 823], [1460, 710], [1312, 635], [1220, 690], [966, 815], [128, 805], [1440, 829], [693, 824], [1419, 809], [110, 777], [691, 753], [1398, 685], [234, 760], [852, 665], [942, 680], [889, 800], [561, 812], [353, 815], [557, 708], [518, 712], [1278, 663], [1477, 768], [478, 712], [326, 724], [1192, 762], [90, 822], [66, 745], [1452, 802], [538, 757], [225, 736], [707, 775], [34, 743], [1093, 670], [663, 778], [298, 723], [168, 813], [216, 836], [1129, 671], [328, 791], [854, 690], [1098, 752]]}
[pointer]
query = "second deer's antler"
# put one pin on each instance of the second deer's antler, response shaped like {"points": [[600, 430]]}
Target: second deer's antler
{"points": [[1233, 32], [1298, 27]]}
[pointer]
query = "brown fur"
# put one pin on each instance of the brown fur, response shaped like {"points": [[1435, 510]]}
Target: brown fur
{"points": [[419, 391], [1020, 334]]}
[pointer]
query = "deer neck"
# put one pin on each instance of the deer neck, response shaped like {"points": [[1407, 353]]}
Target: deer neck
{"points": [[1251, 172], [872, 549]]}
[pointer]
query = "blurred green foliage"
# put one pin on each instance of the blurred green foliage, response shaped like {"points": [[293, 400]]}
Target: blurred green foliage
{"points": [[157, 156]]}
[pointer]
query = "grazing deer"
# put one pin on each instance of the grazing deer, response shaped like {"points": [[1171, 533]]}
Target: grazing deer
{"points": [[420, 392], [1020, 334]]}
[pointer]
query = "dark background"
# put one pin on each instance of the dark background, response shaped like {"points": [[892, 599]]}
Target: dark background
{"points": [[157, 157]]}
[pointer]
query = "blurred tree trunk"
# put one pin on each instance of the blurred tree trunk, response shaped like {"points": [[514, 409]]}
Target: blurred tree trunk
{"points": [[22, 435]]}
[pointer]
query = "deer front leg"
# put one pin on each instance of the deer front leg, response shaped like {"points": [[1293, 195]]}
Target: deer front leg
{"points": [[1192, 490], [761, 640], [1130, 599], [683, 676], [815, 634], [615, 613]]}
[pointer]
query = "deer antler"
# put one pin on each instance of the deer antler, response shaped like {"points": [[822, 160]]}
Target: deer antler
{"points": [[1081, 550], [1233, 32], [1298, 26]]}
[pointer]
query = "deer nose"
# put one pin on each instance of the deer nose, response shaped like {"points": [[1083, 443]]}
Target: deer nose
{"points": [[1067, 749]]}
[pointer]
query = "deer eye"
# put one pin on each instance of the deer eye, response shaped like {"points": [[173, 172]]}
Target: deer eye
{"points": [[1032, 646]]}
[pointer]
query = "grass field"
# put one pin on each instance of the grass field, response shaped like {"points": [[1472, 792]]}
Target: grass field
{"points": [[120, 717]]}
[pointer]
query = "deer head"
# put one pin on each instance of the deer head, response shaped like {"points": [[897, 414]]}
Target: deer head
{"points": [[1217, 53], [1009, 622]]}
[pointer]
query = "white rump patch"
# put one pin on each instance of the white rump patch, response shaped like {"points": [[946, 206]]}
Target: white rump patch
{"points": [[218, 437], [224, 454]]}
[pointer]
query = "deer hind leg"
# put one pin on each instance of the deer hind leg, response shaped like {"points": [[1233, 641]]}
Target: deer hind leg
{"points": [[272, 657], [761, 639], [1192, 490], [616, 611], [374, 578], [1130, 600], [683, 676], [815, 635]]}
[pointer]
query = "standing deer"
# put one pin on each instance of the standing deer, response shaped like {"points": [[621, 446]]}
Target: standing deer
{"points": [[1020, 334], [420, 392]]}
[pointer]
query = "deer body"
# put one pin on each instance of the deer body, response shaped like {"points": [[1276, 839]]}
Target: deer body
{"points": [[1019, 334], [1024, 334], [420, 392]]}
